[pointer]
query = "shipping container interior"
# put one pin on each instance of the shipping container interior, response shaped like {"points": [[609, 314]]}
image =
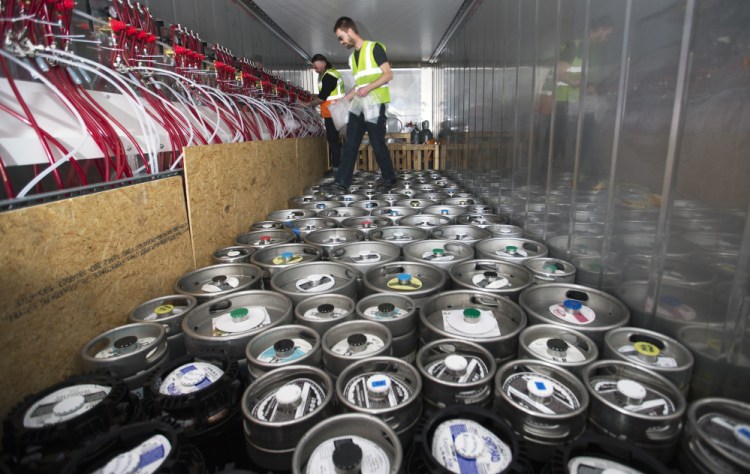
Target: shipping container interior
{"points": [[616, 132]]}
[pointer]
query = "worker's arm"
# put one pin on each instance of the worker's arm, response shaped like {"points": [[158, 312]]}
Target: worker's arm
{"points": [[563, 74], [385, 78]]}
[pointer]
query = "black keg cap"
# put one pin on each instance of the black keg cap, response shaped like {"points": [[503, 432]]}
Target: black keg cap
{"points": [[283, 345], [125, 342], [358, 339], [557, 345], [490, 274], [325, 308], [347, 456], [386, 307]]}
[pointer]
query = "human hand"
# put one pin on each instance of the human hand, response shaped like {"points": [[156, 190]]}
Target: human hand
{"points": [[363, 91]]}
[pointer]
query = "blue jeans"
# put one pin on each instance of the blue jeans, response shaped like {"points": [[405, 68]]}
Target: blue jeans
{"points": [[355, 130]]}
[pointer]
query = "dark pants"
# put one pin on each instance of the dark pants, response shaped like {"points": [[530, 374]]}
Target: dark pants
{"points": [[334, 145], [355, 130]]}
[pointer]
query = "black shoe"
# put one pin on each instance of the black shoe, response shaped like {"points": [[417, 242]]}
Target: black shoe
{"points": [[330, 172], [384, 188], [334, 189]]}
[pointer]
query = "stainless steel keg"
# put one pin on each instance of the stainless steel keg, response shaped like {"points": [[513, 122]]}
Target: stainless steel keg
{"points": [[300, 201], [329, 239], [463, 439], [395, 213], [318, 206], [716, 437], [348, 199], [310, 279], [545, 403], [593, 272], [551, 270], [390, 198], [351, 341], [424, 220], [643, 245], [283, 346], [678, 272], [285, 215], [367, 224], [561, 346], [168, 311], [453, 212], [493, 276], [409, 191], [416, 203], [584, 309], [302, 227], [274, 259], [322, 312], [492, 321], [233, 254], [455, 372], [230, 322], [441, 253], [485, 220], [398, 314], [436, 197], [369, 204], [569, 247], [651, 350], [132, 352], [479, 209], [213, 282], [264, 225], [462, 201], [259, 239], [365, 255], [467, 234], [349, 443], [342, 213], [385, 387], [400, 235], [279, 408], [414, 279], [505, 230], [514, 250], [635, 405]]}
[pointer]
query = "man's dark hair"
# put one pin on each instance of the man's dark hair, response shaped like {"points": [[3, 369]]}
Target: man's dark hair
{"points": [[602, 22], [345, 23], [320, 57]]}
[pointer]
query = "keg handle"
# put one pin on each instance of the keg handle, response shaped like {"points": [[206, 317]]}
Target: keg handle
{"points": [[336, 252], [543, 278], [390, 270], [485, 300], [577, 295], [220, 306], [437, 233], [561, 431], [453, 245]]}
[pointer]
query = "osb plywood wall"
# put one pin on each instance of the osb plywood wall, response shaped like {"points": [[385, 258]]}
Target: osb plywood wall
{"points": [[231, 186], [75, 268]]}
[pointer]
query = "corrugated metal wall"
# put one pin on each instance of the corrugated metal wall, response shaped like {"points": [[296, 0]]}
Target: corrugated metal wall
{"points": [[642, 181]]}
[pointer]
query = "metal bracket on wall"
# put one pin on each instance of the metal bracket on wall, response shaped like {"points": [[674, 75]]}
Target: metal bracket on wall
{"points": [[266, 20], [11, 204]]}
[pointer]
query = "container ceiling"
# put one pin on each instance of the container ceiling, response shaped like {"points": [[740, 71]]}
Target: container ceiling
{"points": [[411, 30]]}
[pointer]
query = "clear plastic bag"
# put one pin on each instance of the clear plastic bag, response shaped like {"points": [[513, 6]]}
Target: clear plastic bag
{"points": [[339, 113], [366, 105], [355, 106]]}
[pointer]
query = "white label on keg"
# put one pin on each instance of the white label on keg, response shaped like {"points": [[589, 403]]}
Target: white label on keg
{"points": [[315, 283], [316, 315], [444, 257], [64, 404], [227, 324], [482, 281], [146, 458], [110, 351], [484, 326], [540, 393], [663, 362], [373, 344], [374, 458], [572, 354], [309, 399], [592, 465], [649, 401], [357, 393], [582, 316], [466, 447], [301, 348], [677, 311], [731, 434], [190, 378], [215, 287], [374, 313]]}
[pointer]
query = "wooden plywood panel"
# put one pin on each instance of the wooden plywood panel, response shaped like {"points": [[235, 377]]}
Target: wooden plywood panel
{"points": [[312, 160], [75, 268], [232, 185]]}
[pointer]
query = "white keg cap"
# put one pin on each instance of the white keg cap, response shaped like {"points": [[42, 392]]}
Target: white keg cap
{"points": [[631, 389], [540, 388], [289, 395], [456, 363], [378, 384], [469, 445]]}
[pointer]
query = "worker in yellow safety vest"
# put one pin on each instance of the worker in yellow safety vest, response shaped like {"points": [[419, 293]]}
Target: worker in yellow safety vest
{"points": [[330, 89], [372, 73], [568, 87]]}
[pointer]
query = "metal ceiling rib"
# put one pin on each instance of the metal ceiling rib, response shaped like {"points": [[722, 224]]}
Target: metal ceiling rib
{"points": [[410, 30], [274, 27]]}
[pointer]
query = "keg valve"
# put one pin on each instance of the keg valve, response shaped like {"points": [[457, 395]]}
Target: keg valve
{"points": [[357, 342], [283, 348], [386, 310], [472, 315]]}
